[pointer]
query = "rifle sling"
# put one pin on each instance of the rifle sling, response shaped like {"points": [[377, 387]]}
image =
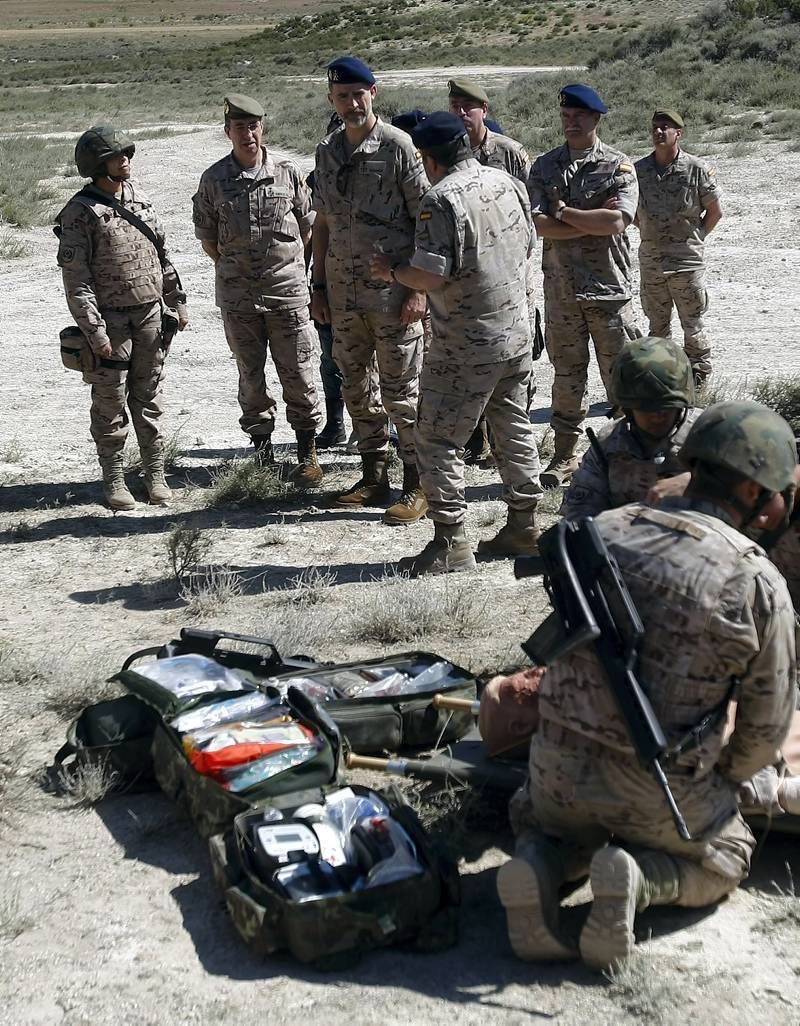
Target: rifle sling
{"points": [[695, 736]]}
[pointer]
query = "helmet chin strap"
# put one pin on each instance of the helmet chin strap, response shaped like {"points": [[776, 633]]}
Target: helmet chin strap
{"points": [[653, 441]]}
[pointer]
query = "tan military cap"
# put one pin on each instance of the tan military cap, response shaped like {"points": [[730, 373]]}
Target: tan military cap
{"points": [[466, 87], [670, 115], [237, 105]]}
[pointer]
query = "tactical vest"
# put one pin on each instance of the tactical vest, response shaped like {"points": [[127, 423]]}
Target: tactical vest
{"points": [[125, 265], [676, 564]]}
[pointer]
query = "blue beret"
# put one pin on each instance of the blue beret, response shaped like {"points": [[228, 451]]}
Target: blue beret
{"points": [[408, 120], [579, 95], [438, 129], [348, 70]]}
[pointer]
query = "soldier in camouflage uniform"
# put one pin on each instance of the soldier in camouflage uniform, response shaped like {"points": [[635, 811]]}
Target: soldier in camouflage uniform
{"points": [[117, 283], [652, 383], [474, 232], [583, 195], [679, 205], [717, 615], [252, 215], [368, 184], [470, 102]]}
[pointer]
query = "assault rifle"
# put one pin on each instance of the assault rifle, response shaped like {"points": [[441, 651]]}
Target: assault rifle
{"points": [[592, 606]]}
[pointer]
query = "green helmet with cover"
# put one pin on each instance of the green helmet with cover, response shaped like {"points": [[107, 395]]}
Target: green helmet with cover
{"points": [[652, 374], [746, 438], [97, 145]]}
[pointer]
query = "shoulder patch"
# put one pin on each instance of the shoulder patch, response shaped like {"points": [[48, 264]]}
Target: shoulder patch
{"points": [[425, 215], [626, 167], [418, 154]]}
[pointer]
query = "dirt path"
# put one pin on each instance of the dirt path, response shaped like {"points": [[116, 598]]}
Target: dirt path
{"points": [[123, 923]]}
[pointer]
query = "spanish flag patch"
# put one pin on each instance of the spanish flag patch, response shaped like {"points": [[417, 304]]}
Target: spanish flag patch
{"points": [[627, 168], [425, 215]]}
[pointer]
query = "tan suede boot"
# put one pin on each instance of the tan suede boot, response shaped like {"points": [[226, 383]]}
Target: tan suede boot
{"points": [[412, 504], [564, 463], [621, 887], [449, 552], [308, 472], [518, 537], [154, 481], [372, 488], [114, 488]]}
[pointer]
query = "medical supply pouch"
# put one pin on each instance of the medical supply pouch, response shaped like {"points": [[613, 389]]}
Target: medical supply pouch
{"points": [[386, 704], [115, 735], [330, 878], [379, 705]]}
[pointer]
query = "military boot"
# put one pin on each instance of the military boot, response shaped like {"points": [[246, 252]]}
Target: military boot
{"points": [[333, 433], [789, 795], [564, 463], [114, 488], [477, 448], [528, 889], [412, 504], [372, 488], [449, 552], [154, 481], [308, 472], [621, 887], [517, 538], [264, 454]]}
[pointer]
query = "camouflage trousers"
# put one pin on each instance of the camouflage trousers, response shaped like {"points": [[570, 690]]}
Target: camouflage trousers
{"points": [[686, 291], [785, 554], [135, 336], [569, 324], [581, 794], [361, 339], [289, 337], [452, 401]]}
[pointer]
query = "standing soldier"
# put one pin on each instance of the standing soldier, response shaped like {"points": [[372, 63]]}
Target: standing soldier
{"points": [[679, 205], [470, 102], [118, 279], [583, 195], [368, 184], [252, 215], [718, 621], [474, 232]]}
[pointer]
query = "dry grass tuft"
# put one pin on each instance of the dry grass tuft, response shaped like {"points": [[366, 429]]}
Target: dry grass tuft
{"points": [[650, 991], [174, 448], [187, 548], [398, 609], [13, 920], [247, 483], [63, 682], [208, 592], [781, 395], [86, 784]]}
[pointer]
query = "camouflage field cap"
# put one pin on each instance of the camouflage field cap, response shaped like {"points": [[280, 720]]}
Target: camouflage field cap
{"points": [[237, 105], [652, 374], [96, 146], [745, 437]]}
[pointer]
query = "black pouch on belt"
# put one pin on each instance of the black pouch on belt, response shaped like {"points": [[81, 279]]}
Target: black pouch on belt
{"points": [[169, 327]]}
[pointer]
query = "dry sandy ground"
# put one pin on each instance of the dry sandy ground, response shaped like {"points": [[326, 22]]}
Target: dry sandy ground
{"points": [[121, 921]]}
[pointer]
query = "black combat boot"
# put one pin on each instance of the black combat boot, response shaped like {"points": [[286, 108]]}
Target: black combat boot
{"points": [[333, 433]]}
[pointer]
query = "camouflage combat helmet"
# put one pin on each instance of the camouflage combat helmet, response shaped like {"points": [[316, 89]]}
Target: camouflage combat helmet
{"points": [[96, 146], [747, 438], [652, 374]]}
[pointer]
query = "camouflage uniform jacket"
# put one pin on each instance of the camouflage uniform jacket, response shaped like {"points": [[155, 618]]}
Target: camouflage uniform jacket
{"points": [[671, 202], [474, 229], [370, 199], [108, 264], [628, 474], [716, 612], [257, 220], [500, 151], [598, 267]]}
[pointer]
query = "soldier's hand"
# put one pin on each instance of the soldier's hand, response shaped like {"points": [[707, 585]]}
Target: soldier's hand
{"points": [[380, 267], [668, 486], [183, 321], [105, 352], [320, 310], [612, 203], [413, 308]]}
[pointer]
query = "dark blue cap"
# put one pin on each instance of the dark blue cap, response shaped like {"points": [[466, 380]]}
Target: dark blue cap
{"points": [[348, 70], [493, 126], [438, 129], [408, 120], [580, 95]]}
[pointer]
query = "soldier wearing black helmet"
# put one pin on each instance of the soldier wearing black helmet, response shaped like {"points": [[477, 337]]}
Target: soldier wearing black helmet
{"points": [[652, 383], [118, 278], [718, 623]]}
